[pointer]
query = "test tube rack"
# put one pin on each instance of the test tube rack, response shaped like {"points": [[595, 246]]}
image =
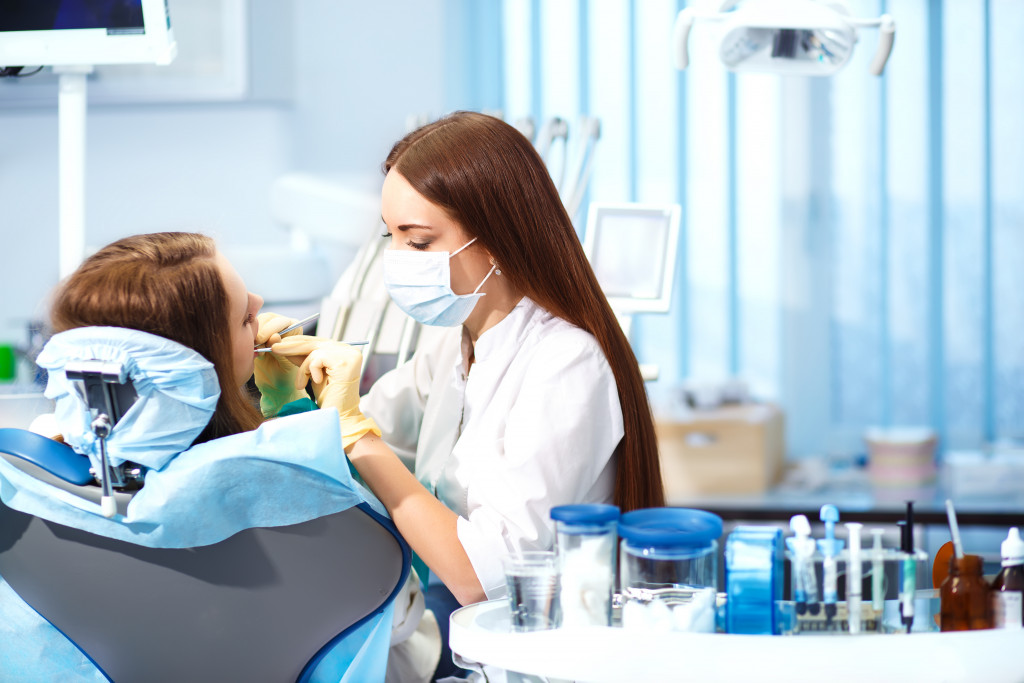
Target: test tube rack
{"points": [[886, 591]]}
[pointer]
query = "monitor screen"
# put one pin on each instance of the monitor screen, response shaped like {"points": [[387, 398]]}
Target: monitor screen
{"points": [[117, 16], [84, 32], [632, 249]]}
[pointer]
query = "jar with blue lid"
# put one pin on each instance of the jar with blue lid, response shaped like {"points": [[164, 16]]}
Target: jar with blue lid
{"points": [[585, 542], [668, 569]]}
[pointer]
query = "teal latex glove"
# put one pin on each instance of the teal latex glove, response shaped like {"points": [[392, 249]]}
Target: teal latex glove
{"points": [[275, 375], [334, 368]]}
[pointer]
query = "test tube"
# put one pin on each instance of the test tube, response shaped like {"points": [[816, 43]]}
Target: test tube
{"points": [[853, 577], [908, 575], [877, 571]]}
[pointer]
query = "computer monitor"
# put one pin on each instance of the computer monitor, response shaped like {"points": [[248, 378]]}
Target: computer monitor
{"points": [[85, 32], [632, 249]]}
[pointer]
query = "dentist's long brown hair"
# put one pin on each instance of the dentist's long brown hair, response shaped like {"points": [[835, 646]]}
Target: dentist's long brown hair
{"points": [[166, 284], [490, 180]]}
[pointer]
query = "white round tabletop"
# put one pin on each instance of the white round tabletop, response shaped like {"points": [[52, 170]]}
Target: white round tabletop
{"points": [[480, 633]]}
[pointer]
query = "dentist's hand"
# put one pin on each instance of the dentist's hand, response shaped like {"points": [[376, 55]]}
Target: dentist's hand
{"points": [[334, 368], [275, 375]]}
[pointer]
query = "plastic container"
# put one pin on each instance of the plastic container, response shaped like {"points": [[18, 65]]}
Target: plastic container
{"points": [[585, 542], [754, 579], [965, 596], [668, 569], [1008, 586]]}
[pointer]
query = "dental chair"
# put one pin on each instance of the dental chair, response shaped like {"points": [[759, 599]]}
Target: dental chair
{"points": [[264, 604]]}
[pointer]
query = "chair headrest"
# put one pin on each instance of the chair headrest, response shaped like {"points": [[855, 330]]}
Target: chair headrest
{"points": [[177, 393]]}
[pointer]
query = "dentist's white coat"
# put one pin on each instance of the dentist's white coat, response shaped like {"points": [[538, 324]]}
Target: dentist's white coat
{"points": [[533, 423]]}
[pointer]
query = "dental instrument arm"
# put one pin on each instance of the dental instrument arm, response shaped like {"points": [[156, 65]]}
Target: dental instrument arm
{"points": [[576, 188]]}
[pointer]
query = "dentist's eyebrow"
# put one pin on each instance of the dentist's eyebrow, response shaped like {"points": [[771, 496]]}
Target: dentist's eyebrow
{"points": [[405, 226]]}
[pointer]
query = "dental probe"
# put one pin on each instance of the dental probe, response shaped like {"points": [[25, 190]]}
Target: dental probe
{"points": [[358, 343], [301, 323]]}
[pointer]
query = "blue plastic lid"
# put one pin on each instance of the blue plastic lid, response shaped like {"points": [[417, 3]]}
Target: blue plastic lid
{"points": [[670, 527], [585, 513]]}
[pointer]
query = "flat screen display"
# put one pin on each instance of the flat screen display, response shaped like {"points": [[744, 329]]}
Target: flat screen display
{"points": [[113, 16], [632, 249], [84, 32]]}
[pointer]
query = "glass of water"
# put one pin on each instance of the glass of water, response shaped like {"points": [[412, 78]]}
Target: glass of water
{"points": [[532, 580]]}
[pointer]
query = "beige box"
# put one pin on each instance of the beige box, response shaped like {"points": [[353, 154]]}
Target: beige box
{"points": [[731, 449]]}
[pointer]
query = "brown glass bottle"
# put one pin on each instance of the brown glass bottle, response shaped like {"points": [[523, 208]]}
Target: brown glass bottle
{"points": [[965, 596]]}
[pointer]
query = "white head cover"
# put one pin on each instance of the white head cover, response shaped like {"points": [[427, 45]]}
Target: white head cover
{"points": [[177, 389]]}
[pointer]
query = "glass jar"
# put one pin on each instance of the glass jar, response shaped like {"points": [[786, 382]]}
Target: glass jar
{"points": [[585, 542], [668, 569], [965, 602]]}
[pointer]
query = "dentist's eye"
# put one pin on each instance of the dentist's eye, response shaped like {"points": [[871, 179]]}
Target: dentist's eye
{"points": [[386, 234], [422, 246]]}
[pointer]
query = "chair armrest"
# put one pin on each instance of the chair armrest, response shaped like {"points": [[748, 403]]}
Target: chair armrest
{"points": [[56, 458]]}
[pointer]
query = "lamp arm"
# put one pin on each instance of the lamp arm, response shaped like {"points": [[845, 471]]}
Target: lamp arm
{"points": [[681, 31], [681, 38], [886, 37]]}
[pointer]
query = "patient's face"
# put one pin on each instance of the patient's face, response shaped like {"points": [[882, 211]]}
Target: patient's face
{"points": [[243, 306]]}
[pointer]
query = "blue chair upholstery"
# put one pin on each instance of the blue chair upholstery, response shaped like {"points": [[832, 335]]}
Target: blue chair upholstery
{"points": [[261, 605]]}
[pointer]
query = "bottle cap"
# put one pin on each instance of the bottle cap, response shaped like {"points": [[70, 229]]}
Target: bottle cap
{"points": [[1013, 548], [670, 527], [585, 513]]}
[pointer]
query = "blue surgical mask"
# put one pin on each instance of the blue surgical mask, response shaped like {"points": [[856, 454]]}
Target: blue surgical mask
{"points": [[419, 282]]}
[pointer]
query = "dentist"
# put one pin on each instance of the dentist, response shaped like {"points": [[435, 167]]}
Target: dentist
{"points": [[528, 397]]}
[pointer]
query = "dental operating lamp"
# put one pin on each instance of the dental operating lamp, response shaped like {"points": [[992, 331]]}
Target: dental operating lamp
{"points": [[797, 37]]}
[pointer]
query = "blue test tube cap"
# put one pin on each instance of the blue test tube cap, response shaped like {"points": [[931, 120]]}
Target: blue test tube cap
{"points": [[585, 513]]}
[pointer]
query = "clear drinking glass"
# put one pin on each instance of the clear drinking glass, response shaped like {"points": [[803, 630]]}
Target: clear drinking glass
{"points": [[532, 580]]}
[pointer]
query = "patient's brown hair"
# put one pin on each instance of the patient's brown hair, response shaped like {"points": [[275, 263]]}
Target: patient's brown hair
{"points": [[166, 284]]}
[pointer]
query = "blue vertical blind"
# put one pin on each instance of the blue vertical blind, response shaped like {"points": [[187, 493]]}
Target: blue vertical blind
{"points": [[852, 246]]}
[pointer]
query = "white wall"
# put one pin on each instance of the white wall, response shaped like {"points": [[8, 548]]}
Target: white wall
{"points": [[360, 70], [346, 76]]}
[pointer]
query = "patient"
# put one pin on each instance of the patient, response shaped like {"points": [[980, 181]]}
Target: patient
{"points": [[180, 288]]}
